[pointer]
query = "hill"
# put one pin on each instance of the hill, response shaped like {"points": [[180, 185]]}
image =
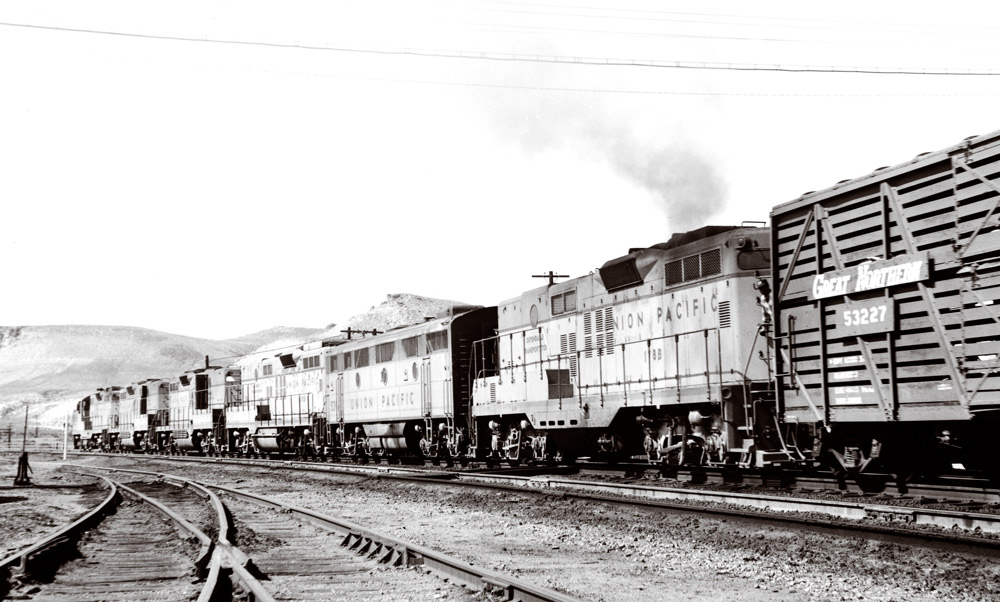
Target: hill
{"points": [[398, 309], [52, 367]]}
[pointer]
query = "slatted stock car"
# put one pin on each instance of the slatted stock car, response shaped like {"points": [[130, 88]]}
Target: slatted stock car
{"points": [[887, 313], [862, 329]]}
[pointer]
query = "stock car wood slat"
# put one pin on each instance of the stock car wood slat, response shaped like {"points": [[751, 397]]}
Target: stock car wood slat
{"points": [[937, 352]]}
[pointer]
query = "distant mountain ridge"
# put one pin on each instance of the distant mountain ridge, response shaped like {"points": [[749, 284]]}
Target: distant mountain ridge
{"points": [[51, 367]]}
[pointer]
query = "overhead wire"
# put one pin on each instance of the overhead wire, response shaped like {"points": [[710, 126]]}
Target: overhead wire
{"points": [[513, 57], [625, 91], [796, 22]]}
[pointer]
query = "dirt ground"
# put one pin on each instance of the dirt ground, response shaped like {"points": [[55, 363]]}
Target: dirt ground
{"points": [[610, 552], [29, 513]]}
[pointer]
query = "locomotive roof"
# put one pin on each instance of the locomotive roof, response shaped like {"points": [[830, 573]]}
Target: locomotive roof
{"points": [[679, 239], [430, 324], [887, 173]]}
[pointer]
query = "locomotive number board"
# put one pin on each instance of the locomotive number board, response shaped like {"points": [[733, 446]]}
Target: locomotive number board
{"points": [[862, 317]]}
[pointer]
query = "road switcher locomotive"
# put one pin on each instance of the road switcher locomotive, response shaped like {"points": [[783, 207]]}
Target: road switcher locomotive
{"points": [[861, 329]]}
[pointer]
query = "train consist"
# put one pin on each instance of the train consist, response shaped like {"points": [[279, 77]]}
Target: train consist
{"points": [[861, 329]]}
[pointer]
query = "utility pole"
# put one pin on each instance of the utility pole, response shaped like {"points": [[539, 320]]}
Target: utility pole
{"points": [[24, 440], [22, 479]]}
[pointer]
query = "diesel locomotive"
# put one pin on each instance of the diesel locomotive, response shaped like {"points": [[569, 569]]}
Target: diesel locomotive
{"points": [[860, 330]]}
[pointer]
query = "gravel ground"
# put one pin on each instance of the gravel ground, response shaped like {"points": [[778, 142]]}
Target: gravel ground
{"points": [[610, 552], [27, 513]]}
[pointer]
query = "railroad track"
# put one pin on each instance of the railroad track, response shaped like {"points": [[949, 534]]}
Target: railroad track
{"points": [[123, 549], [292, 553], [868, 513], [969, 491]]}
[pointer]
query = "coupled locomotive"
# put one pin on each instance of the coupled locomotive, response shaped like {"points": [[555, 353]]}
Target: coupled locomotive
{"points": [[651, 355], [860, 330]]}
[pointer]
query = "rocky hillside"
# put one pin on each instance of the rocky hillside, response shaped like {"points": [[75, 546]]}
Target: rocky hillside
{"points": [[399, 309], [51, 367], [48, 366]]}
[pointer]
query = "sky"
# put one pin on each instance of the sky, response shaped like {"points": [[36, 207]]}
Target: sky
{"points": [[216, 168]]}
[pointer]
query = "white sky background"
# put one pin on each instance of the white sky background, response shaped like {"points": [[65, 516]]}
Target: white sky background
{"points": [[215, 190]]}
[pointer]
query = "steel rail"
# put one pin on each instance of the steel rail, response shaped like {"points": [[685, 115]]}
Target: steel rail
{"points": [[763, 506], [974, 491], [65, 535], [768, 507], [396, 551], [229, 555], [206, 564], [386, 548], [224, 555], [182, 523]]}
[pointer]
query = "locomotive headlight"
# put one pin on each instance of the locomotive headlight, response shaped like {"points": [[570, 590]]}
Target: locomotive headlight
{"points": [[494, 425], [727, 393], [524, 425]]}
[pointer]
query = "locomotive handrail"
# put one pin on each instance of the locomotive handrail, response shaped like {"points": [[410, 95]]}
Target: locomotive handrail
{"points": [[598, 353]]}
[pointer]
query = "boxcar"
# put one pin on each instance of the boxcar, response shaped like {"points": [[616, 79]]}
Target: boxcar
{"points": [[887, 312]]}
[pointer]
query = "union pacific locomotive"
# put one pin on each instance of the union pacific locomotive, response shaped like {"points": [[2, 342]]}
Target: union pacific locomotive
{"points": [[860, 330]]}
